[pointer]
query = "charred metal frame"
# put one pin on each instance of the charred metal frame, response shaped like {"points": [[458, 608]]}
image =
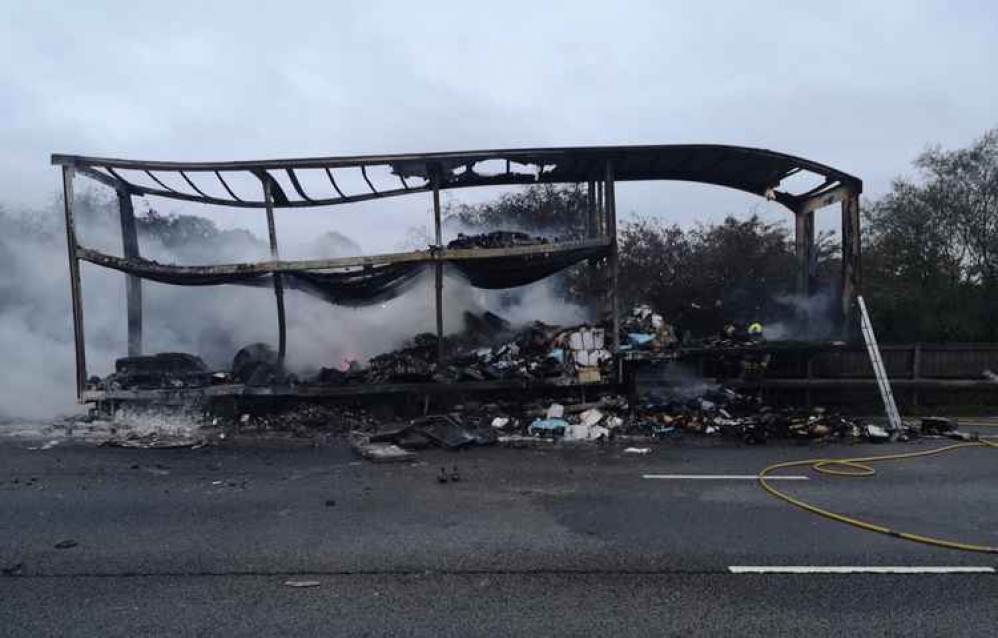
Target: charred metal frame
{"points": [[756, 171]]}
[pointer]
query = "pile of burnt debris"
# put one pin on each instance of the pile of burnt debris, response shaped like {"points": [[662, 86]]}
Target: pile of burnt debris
{"points": [[163, 370], [717, 412], [307, 419], [381, 433], [721, 411], [644, 329], [489, 348], [496, 239]]}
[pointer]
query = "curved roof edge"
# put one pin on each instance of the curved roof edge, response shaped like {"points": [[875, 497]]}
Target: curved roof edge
{"points": [[753, 170]]}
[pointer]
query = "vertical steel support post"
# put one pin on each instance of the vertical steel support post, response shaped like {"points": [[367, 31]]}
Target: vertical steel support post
{"points": [[133, 283], [804, 249], [588, 231], [68, 174], [592, 264], [611, 227], [282, 330], [812, 256], [804, 253], [851, 264], [439, 270], [600, 208]]}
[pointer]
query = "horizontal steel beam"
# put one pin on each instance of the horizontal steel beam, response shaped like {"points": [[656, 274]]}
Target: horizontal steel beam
{"points": [[512, 179], [186, 395], [814, 384], [419, 256], [825, 198], [519, 155], [559, 165]]}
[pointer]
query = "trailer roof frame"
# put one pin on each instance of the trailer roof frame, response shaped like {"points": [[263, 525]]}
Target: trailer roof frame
{"points": [[752, 170]]}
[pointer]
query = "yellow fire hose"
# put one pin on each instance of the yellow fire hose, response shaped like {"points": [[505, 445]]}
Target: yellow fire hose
{"points": [[857, 467]]}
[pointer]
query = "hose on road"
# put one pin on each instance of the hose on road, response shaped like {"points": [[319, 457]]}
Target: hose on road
{"points": [[858, 467]]}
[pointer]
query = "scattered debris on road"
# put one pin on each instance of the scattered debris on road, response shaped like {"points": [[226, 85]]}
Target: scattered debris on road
{"points": [[66, 544], [877, 434], [155, 440], [379, 452], [301, 583], [48, 445], [937, 425], [13, 570]]}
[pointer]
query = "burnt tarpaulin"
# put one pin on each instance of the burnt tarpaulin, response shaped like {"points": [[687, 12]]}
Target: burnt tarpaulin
{"points": [[509, 272], [366, 285], [362, 285], [175, 275]]}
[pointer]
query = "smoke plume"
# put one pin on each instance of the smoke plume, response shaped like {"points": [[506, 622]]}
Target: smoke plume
{"points": [[809, 318], [36, 337]]}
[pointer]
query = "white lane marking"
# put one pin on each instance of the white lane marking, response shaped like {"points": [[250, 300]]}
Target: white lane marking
{"points": [[743, 569], [724, 477]]}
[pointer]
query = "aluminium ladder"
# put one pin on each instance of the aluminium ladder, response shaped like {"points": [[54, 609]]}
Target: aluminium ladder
{"points": [[878, 367]]}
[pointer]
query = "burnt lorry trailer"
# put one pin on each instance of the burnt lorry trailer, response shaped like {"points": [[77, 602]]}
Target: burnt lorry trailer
{"points": [[269, 185]]}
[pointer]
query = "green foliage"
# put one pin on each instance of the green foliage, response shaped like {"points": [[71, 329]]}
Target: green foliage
{"points": [[931, 248], [544, 209], [176, 231], [744, 264], [735, 270]]}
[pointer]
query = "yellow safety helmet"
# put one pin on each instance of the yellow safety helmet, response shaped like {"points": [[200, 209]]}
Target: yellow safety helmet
{"points": [[755, 328]]}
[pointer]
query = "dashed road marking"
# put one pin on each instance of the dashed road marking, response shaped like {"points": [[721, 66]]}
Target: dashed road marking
{"points": [[856, 569], [724, 477]]}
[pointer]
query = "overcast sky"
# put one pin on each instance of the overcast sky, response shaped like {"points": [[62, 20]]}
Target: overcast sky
{"points": [[863, 87]]}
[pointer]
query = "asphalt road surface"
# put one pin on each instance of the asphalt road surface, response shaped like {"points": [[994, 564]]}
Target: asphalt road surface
{"points": [[572, 541]]}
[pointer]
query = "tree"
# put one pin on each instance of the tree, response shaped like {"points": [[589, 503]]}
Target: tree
{"points": [[177, 231], [747, 265], [654, 262], [931, 249], [541, 209], [744, 263]]}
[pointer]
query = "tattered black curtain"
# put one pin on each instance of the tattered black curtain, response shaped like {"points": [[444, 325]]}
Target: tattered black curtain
{"points": [[370, 284]]}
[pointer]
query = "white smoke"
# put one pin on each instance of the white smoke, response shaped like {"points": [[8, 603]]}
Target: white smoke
{"points": [[811, 318], [675, 381], [36, 338]]}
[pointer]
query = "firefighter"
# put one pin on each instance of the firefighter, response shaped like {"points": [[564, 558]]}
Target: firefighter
{"points": [[754, 364]]}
